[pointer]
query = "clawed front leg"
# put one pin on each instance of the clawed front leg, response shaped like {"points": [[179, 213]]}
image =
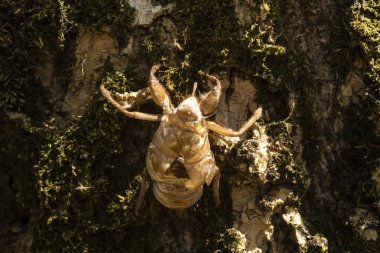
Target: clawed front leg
{"points": [[157, 90], [136, 115], [209, 101], [231, 133]]}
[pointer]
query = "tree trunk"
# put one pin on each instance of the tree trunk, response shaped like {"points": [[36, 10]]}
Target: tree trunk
{"points": [[305, 178]]}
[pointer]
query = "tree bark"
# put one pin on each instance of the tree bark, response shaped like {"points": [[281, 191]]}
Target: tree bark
{"points": [[306, 178]]}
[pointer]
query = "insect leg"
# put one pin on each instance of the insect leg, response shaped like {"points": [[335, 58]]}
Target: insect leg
{"points": [[140, 200], [215, 186], [209, 100], [229, 132], [136, 115], [157, 91]]}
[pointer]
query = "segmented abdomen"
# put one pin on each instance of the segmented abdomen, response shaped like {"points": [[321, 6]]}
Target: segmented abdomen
{"points": [[169, 143]]}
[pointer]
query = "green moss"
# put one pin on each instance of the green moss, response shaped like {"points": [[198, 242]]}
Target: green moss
{"points": [[231, 241], [209, 32], [213, 40], [365, 21], [315, 244], [74, 177], [33, 29], [27, 32], [24, 35], [31, 32], [95, 14], [258, 44]]}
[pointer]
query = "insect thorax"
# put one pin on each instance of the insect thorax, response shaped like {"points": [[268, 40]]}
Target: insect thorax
{"points": [[188, 110]]}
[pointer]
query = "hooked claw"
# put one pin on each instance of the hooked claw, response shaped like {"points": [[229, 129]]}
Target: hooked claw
{"points": [[157, 91], [209, 101]]}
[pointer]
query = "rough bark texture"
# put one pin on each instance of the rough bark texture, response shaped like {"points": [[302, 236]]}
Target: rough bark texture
{"points": [[306, 178]]}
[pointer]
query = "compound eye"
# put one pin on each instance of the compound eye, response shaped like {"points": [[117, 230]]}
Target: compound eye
{"points": [[189, 110], [187, 115]]}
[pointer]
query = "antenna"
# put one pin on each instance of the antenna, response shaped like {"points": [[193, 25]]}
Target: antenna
{"points": [[195, 85]]}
